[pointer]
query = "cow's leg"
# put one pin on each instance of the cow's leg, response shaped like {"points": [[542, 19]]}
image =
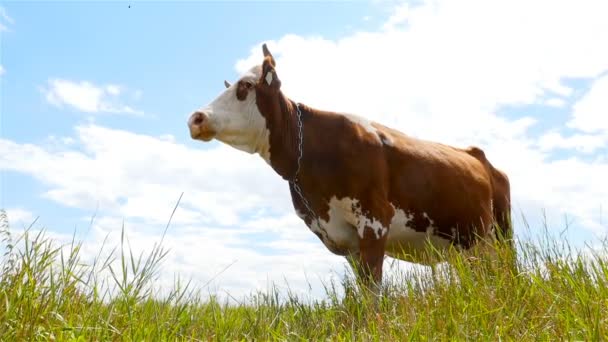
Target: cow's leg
{"points": [[371, 258], [373, 229]]}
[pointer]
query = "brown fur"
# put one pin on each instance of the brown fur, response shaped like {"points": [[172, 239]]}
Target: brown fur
{"points": [[458, 188]]}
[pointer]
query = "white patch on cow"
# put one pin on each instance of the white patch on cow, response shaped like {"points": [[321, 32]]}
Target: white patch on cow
{"points": [[269, 77], [386, 140], [364, 123], [353, 214], [375, 225], [347, 217], [239, 123], [340, 228], [404, 242], [264, 149], [346, 225], [337, 235]]}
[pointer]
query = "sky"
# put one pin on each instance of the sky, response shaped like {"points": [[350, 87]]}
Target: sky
{"points": [[94, 99]]}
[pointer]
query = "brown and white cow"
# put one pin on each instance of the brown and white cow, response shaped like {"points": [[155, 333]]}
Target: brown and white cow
{"points": [[364, 189]]}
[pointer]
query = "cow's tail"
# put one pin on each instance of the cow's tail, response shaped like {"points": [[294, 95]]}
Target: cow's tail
{"points": [[503, 227], [501, 197], [502, 207]]}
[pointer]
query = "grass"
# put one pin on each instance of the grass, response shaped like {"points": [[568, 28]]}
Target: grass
{"points": [[50, 293]]}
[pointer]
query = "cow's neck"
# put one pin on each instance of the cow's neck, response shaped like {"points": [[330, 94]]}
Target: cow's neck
{"points": [[282, 123]]}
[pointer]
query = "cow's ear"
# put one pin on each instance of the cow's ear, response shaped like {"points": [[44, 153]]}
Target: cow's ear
{"points": [[267, 54], [269, 79]]}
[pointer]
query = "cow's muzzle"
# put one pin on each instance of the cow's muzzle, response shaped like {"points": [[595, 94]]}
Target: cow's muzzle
{"points": [[200, 127]]}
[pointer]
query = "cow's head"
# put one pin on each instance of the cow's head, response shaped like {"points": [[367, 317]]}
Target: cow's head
{"points": [[234, 117]]}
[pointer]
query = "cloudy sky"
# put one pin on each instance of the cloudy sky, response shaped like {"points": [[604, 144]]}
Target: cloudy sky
{"points": [[95, 97]]}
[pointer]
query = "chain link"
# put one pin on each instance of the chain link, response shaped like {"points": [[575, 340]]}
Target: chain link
{"points": [[294, 182]]}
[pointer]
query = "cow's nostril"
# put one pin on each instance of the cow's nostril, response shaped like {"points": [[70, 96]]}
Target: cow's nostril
{"points": [[200, 126], [198, 119]]}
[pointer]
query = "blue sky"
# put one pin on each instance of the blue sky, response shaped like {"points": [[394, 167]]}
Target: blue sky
{"points": [[176, 54], [94, 99]]}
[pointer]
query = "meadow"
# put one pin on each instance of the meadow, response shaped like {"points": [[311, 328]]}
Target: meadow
{"points": [[49, 293]]}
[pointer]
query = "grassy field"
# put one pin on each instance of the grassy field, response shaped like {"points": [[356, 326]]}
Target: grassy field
{"points": [[49, 293]]}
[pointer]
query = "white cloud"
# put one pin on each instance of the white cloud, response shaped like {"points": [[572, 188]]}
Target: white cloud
{"points": [[87, 97], [5, 20], [591, 112], [19, 217], [399, 17], [555, 102], [113, 89], [117, 170], [2, 71], [4, 16], [585, 143]]}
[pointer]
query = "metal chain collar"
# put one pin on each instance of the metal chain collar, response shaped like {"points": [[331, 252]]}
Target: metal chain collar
{"points": [[294, 181]]}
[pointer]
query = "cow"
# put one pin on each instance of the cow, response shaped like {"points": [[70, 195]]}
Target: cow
{"points": [[366, 190]]}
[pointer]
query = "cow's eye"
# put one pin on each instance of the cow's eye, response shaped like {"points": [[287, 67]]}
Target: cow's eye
{"points": [[248, 85]]}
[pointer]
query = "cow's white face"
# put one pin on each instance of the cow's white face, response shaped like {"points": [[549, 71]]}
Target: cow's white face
{"points": [[234, 118]]}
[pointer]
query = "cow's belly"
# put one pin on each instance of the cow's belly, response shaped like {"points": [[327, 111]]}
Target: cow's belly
{"points": [[340, 235], [405, 243]]}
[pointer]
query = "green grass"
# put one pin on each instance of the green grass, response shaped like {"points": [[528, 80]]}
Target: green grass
{"points": [[49, 293]]}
